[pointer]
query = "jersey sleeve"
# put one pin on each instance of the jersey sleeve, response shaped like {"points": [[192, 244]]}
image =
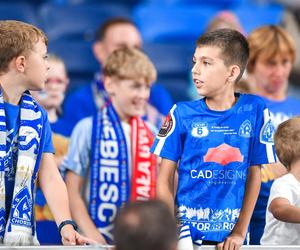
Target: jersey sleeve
{"points": [[48, 145], [263, 151], [168, 142], [77, 159]]}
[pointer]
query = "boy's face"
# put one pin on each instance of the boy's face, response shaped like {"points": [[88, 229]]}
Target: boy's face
{"points": [[36, 67], [129, 96], [56, 83], [209, 71], [272, 74]]}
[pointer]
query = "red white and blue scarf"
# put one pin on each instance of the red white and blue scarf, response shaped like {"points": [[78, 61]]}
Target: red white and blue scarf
{"points": [[111, 185]]}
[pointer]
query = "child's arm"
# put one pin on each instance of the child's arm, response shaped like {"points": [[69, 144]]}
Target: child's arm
{"points": [[79, 211], [236, 239], [56, 195], [282, 210], [165, 182]]}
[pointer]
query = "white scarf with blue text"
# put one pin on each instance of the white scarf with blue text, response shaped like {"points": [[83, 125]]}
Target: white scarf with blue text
{"points": [[19, 229]]}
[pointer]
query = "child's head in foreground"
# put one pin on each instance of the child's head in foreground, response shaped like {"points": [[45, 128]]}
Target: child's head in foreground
{"points": [[128, 76], [220, 60], [287, 141], [23, 53]]}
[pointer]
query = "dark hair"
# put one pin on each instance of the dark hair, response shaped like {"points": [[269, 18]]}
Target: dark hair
{"points": [[100, 33], [234, 46], [145, 225]]}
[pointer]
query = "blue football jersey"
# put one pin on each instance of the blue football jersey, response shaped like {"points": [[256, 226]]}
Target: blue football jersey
{"points": [[214, 150]]}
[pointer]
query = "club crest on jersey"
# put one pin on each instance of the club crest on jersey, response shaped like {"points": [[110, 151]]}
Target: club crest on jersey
{"points": [[22, 208], [166, 127], [200, 129], [267, 133], [245, 129]]}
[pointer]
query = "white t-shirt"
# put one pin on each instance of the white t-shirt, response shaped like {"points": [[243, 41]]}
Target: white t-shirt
{"points": [[278, 232]]}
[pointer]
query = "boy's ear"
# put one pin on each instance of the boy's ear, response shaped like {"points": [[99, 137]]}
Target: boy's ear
{"points": [[20, 62], [234, 72], [109, 84], [98, 51]]}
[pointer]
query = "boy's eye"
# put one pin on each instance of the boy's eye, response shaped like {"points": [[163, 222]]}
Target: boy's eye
{"points": [[206, 63], [45, 57]]}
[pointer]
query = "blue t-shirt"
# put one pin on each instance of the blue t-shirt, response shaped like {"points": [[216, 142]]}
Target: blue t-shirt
{"points": [[214, 150], [12, 114], [280, 112]]}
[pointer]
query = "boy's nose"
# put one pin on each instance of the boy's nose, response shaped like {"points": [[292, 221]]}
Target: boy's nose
{"points": [[196, 69]]}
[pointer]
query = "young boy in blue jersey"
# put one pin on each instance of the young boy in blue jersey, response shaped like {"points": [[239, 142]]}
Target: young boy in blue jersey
{"points": [[109, 159], [26, 151], [217, 144]]}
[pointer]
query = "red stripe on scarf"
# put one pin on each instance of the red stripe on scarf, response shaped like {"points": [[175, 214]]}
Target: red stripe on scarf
{"points": [[144, 163]]}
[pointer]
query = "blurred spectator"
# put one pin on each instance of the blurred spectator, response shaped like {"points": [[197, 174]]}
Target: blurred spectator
{"points": [[225, 19], [113, 34], [51, 99], [272, 54], [109, 157], [145, 225]]}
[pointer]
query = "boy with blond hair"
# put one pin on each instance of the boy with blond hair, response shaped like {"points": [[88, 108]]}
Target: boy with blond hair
{"points": [[217, 144], [110, 151], [26, 151], [283, 212]]}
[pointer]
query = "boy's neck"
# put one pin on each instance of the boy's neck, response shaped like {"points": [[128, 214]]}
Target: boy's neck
{"points": [[11, 89], [295, 169], [221, 103]]}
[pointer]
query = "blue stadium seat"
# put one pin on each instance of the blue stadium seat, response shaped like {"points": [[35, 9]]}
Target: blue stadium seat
{"points": [[254, 16], [173, 63], [173, 24], [221, 4], [77, 21], [18, 11]]}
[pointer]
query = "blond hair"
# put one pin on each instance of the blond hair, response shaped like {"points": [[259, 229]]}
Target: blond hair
{"points": [[269, 41], [129, 63], [287, 141], [17, 38]]}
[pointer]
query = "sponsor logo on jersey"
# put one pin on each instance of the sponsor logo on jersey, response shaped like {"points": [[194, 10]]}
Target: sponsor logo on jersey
{"points": [[223, 154], [200, 129], [245, 129], [267, 133], [166, 127]]}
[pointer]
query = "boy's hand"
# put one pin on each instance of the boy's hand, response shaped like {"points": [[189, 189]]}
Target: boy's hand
{"points": [[70, 237], [232, 242]]}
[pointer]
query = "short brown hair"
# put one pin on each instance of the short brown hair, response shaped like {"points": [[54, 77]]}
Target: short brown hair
{"points": [[129, 63], [233, 45], [17, 38], [145, 225], [269, 41], [287, 141], [102, 30]]}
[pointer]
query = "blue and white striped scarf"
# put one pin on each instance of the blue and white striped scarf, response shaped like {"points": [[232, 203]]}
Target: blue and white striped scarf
{"points": [[20, 227]]}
